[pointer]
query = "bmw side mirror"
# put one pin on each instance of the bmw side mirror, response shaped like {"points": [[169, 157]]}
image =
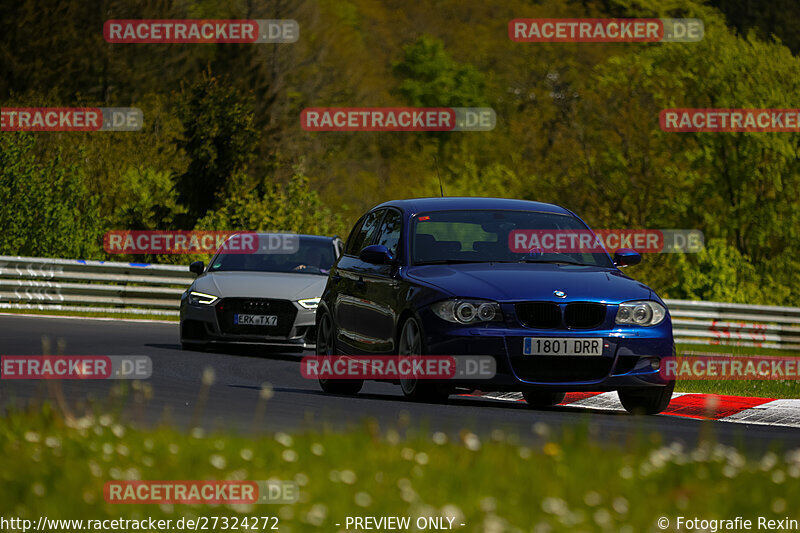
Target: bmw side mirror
{"points": [[627, 257], [197, 267], [377, 254]]}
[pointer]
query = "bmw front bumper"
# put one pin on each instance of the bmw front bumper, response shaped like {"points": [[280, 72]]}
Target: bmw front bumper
{"points": [[631, 356]]}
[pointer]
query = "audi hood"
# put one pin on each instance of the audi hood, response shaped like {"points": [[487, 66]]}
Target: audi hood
{"points": [[276, 285]]}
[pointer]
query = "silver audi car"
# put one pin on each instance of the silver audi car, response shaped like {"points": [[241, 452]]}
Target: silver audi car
{"points": [[265, 295]]}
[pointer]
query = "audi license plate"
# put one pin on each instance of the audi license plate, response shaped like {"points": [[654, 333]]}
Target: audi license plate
{"points": [[255, 320], [562, 346]]}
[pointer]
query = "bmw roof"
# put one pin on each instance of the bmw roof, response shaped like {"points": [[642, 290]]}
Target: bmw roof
{"points": [[300, 235], [419, 205]]}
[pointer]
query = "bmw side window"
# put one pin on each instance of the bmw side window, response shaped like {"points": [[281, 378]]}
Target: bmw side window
{"points": [[349, 244], [390, 231], [363, 236]]}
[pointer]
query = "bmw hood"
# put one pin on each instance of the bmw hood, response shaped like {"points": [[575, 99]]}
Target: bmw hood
{"points": [[278, 285], [527, 281]]}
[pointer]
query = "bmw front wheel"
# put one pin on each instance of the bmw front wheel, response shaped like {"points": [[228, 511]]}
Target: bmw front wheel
{"points": [[409, 345], [648, 401]]}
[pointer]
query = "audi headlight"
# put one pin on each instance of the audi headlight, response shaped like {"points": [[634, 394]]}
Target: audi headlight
{"points": [[201, 298], [641, 313], [468, 311], [309, 303]]}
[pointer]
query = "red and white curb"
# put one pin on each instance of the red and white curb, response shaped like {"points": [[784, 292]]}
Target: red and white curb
{"points": [[740, 409]]}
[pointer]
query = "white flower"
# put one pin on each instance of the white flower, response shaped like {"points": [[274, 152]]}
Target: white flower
{"points": [[620, 505], [472, 442], [555, 506], [592, 499], [363, 499], [317, 514], [453, 511], [348, 477], [267, 392], [217, 461], [290, 456], [284, 438]]}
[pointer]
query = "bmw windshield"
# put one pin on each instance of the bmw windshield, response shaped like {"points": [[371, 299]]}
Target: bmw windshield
{"points": [[471, 236]]}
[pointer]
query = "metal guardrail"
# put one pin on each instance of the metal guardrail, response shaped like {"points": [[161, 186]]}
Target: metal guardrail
{"points": [[147, 289], [763, 326], [91, 286]]}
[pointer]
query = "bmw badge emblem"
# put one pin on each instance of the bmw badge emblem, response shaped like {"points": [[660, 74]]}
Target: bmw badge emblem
{"points": [[560, 294]]}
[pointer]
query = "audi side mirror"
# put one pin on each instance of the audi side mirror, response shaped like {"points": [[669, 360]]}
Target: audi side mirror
{"points": [[197, 267]]}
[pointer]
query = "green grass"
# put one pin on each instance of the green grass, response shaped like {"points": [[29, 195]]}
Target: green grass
{"points": [[733, 350], [755, 388], [566, 482]]}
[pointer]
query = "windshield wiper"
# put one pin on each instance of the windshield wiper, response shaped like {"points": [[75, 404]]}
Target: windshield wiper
{"points": [[449, 262], [462, 261], [552, 261]]}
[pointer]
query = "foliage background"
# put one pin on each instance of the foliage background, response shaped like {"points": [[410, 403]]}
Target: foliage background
{"points": [[222, 146]]}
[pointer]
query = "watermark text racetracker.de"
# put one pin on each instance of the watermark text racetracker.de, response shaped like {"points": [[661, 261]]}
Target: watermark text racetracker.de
{"points": [[605, 30], [732, 120], [437, 367], [727, 367], [398, 119], [605, 240], [195, 31], [201, 492], [71, 119], [199, 242], [75, 367]]}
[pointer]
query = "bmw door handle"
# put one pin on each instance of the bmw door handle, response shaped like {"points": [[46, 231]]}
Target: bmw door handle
{"points": [[360, 283]]}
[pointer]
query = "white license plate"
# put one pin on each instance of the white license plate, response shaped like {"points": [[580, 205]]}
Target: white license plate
{"points": [[562, 346], [255, 320]]}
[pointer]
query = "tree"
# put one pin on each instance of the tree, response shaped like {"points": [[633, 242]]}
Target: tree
{"points": [[429, 77], [148, 200], [744, 188], [45, 207], [219, 139], [292, 207]]}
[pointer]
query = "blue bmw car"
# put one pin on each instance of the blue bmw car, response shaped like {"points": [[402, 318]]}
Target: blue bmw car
{"points": [[437, 276]]}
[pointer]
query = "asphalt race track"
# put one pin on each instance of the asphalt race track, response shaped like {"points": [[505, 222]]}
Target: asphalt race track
{"points": [[299, 403]]}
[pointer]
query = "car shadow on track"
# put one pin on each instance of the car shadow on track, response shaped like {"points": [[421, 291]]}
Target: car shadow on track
{"points": [[248, 350], [454, 401], [160, 346]]}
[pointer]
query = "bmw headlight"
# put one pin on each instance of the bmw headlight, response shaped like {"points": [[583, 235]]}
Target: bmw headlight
{"points": [[201, 298], [641, 313], [309, 303], [468, 311]]}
